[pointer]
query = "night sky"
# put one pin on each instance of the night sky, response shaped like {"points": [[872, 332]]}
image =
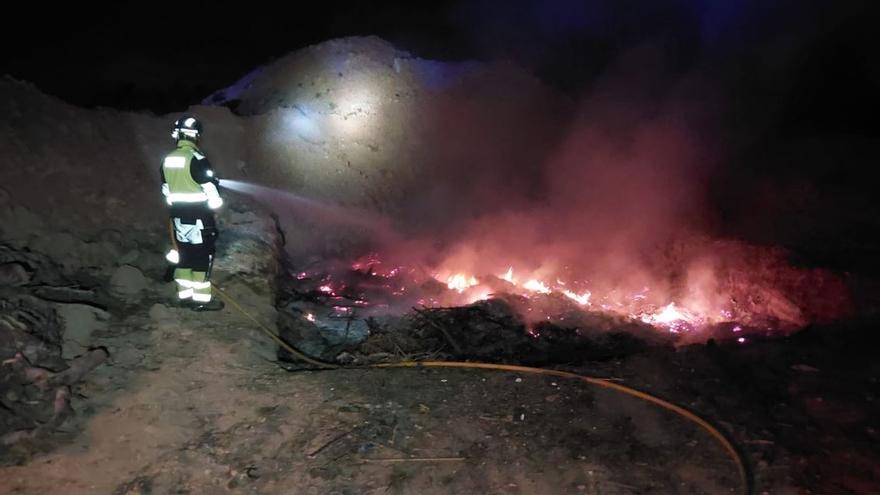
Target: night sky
{"points": [[163, 56]]}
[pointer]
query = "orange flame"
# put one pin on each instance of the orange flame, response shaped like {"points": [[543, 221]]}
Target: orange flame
{"points": [[582, 299], [535, 285], [460, 282]]}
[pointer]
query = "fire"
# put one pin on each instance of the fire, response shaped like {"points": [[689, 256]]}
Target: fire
{"points": [[460, 282], [535, 285], [669, 314], [582, 299], [675, 319], [539, 290], [671, 317]]}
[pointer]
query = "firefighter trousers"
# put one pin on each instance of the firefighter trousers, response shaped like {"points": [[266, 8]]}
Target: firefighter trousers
{"points": [[196, 236]]}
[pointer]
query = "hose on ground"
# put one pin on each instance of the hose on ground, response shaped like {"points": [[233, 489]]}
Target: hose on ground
{"points": [[732, 451]]}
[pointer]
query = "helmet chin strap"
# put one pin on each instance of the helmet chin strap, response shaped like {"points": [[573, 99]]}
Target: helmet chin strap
{"points": [[178, 135]]}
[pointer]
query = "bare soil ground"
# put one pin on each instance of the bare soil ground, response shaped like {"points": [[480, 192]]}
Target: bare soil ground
{"points": [[192, 403]]}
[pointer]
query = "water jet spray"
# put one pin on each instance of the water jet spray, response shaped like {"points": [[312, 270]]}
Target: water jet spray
{"points": [[312, 209]]}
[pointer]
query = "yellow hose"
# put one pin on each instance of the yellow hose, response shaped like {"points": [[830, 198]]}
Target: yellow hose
{"points": [[728, 446], [278, 340]]}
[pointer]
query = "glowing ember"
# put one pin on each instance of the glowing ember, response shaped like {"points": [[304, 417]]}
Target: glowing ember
{"points": [[699, 308], [674, 319], [537, 286], [582, 299], [669, 314], [460, 282]]}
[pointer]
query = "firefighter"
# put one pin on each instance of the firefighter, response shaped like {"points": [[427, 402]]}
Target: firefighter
{"points": [[190, 189]]}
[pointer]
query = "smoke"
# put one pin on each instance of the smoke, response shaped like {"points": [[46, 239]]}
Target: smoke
{"points": [[494, 173], [618, 204], [624, 178], [619, 196]]}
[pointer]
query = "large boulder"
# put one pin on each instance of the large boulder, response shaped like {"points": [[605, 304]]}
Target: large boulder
{"points": [[128, 282], [80, 321]]}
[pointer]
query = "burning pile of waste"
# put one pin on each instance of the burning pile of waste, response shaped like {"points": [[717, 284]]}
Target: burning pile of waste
{"points": [[515, 220], [373, 309]]}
